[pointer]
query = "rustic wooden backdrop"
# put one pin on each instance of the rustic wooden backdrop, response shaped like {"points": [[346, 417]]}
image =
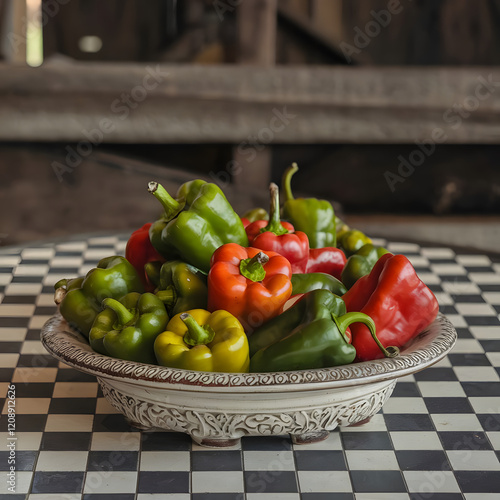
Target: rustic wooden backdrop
{"points": [[232, 70]]}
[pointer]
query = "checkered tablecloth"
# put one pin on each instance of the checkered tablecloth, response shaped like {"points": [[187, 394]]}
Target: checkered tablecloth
{"points": [[438, 436]]}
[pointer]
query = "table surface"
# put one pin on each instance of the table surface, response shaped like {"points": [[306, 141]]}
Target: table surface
{"points": [[437, 437]]}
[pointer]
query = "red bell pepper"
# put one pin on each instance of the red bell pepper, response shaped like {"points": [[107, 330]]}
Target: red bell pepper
{"points": [[245, 222], [279, 237], [399, 303], [329, 260], [250, 284], [139, 251]]}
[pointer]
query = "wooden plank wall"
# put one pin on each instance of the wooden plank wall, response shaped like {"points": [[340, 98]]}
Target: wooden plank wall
{"points": [[128, 30], [445, 32]]}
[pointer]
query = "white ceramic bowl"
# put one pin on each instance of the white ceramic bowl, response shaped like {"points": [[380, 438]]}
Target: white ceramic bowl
{"points": [[217, 409]]}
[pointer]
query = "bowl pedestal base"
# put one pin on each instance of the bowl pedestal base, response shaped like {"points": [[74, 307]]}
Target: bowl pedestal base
{"points": [[310, 437], [217, 421], [304, 438]]}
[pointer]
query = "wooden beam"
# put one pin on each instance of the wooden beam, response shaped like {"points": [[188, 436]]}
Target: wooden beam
{"points": [[245, 105], [323, 16], [252, 171], [257, 32], [14, 36], [256, 46], [327, 17]]}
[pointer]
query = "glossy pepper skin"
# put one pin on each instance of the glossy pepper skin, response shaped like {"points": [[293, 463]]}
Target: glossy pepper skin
{"points": [[182, 287], [314, 217], [254, 214], [304, 283], [316, 340], [340, 227], [329, 260], [203, 341], [127, 329], [139, 251], [281, 326], [251, 284], [361, 263], [245, 222], [280, 237], [80, 299], [351, 241], [399, 303], [202, 221]]}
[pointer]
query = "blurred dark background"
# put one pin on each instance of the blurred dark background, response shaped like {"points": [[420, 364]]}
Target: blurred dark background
{"points": [[365, 83]]}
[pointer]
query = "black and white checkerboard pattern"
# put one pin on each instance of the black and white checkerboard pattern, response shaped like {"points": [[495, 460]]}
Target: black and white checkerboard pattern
{"points": [[438, 437]]}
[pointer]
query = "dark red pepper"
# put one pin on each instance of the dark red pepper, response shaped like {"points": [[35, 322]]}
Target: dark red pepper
{"points": [[280, 237], [139, 251], [399, 303], [329, 260]]}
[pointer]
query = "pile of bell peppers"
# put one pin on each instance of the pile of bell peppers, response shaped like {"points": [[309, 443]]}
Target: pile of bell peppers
{"points": [[291, 288]]}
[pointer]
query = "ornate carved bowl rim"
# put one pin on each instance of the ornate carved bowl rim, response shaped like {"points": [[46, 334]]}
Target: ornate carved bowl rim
{"points": [[427, 348]]}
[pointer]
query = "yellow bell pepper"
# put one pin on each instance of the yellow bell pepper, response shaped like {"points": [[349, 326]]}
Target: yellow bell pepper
{"points": [[203, 341]]}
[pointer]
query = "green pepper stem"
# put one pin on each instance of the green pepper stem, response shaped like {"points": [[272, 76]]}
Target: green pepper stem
{"points": [[345, 320], [166, 296], [196, 334], [253, 268], [123, 314], [59, 295], [61, 288], [286, 185], [170, 206], [274, 224], [61, 284]]}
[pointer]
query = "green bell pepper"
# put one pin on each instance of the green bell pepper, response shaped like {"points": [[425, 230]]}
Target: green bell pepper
{"points": [[195, 224], [306, 282], [316, 340], [314, 217], [80, 299], [351, 241], [361, 263], [152, 270], [340, 227], [182, 287], [314, 303], [127, 329], [256, 214]]}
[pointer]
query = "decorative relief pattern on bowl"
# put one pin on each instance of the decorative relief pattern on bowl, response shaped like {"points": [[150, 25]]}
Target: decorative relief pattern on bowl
{"points": [[72, 348], [203, 424]]}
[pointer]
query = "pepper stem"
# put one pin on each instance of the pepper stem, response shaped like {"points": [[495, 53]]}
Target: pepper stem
{"points": [[286, 185], [61, 284], [345, 320], [253, 268], [196, 334], [170, 206], [123, 314], [59, 294], [274, 224], [166, 296]]}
